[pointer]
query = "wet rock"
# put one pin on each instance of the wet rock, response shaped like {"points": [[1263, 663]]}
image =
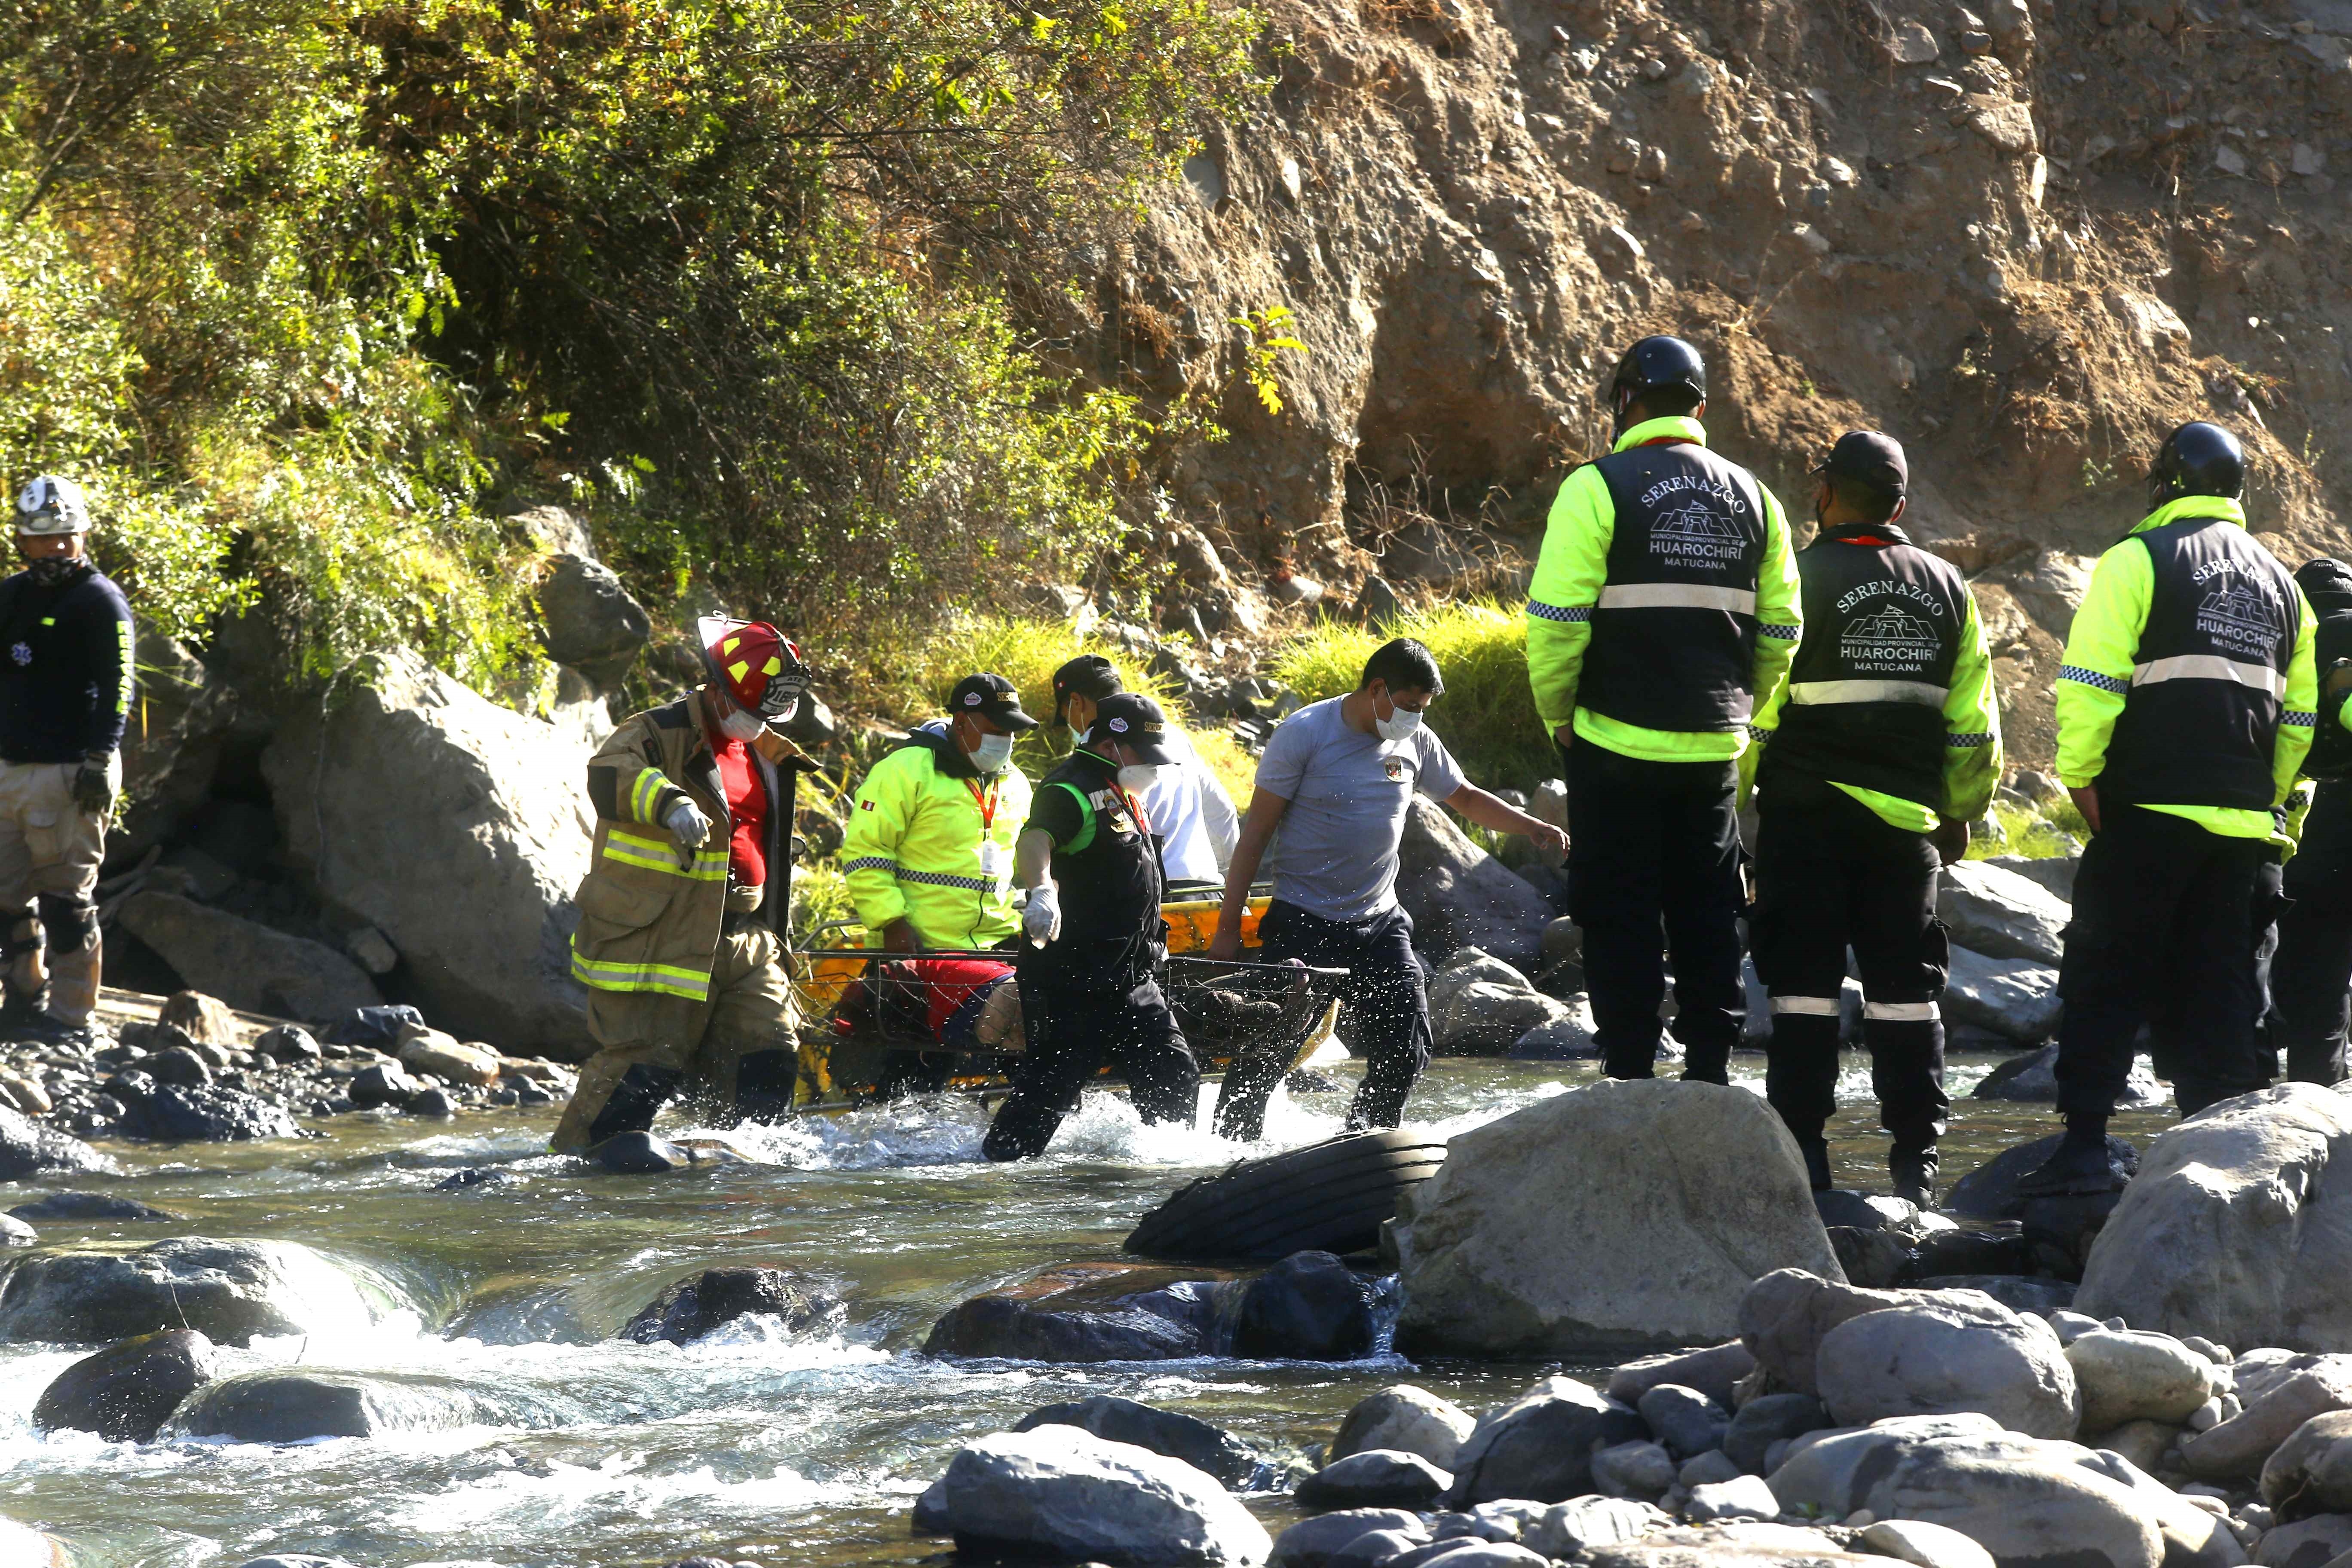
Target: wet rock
{"points": [[206, 1114], [1460, 896], [2015, 997], [477, 1178], [1714, 1372], [1312, 1543], [2134, 1375], [1990, 1191], [1059, 1491], [1084, 1312], [1376, 1477], [229, 1290], [1308, 1307], [376, 1028], [1540, 1446], [2312, 1470], [290, 1043], [1587, 1524], [2240, 1446], [2000, 913], [2225, 1232], [15, 1232], [1210, 1449], [1636, 1470], [1934, 1360], [383, 1084], [285, 1407], [27, 1148], [1407, 1419], [178, 1066], [639, 1154], [433, 1103], [1666, 1259], [1768, 1419], [124, 1392], [245, 963], [2033, 1078], [693, 1306], [1687, 1421]]}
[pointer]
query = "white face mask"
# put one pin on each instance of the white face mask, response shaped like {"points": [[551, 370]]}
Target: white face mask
{"points": [[992, 753], [737, 725], [1137, 777], [1400, 725]]}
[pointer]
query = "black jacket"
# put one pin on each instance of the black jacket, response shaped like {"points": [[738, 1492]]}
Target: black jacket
{"points": [[66, 667]]}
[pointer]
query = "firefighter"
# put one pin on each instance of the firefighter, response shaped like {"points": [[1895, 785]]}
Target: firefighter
{"points": [[1882, 748], [682, 917], [65, 697], [928, 850], [2186, 703], [1088, 971], [1663, 611]]}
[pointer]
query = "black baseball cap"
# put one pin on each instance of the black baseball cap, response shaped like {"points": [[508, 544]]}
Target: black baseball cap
{"points": [[1134, 719], [1871, 456], [993, 698], [1089, 674]]}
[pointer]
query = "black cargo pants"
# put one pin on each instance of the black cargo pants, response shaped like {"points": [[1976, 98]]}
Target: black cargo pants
{"points": [[1385, 1005], [1073, 1032], [2311, 972]]}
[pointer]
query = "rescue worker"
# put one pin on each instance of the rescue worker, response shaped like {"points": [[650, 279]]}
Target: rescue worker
{"points": [[1187, 803], [1090, 862], [1662, 612], [1869, 764], [2186, 704], [682, 916], [928, 850], [65, 697], [2311, 971]]}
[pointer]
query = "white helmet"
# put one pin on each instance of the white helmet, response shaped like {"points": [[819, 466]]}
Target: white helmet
{"points": [[51, 505]]}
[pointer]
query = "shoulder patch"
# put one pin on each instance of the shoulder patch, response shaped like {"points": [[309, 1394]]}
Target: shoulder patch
{"points": [[673, 716]]}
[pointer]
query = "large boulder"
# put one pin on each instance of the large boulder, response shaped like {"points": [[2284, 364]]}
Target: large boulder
{"points": [[2312, 1470], [2017, 997], [1483, 1018], [1376, 1477], [232, 1292], [2239, 1446], [690, 1308], [1059, 1491], [1991, 1191], [1308, 1307], [2313, 1542], [1932, 1360], [125, 1390], [1786, 1315], [591, 622], [297, 1405], [1460, 896], [27, 1148], [2000, 913], [1403, 1419], [1212, 1451], [2238, 1227], [1084, 1312], [246, 964], [1313, 1543], [1540, 1446], [1626, 1214], [416, 771]]}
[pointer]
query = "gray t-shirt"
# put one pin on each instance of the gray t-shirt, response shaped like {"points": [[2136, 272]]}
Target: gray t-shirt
{"points": [[1336, 855]]}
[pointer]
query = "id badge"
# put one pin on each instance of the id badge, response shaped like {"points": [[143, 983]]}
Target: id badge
{"points": [[992, 860]]}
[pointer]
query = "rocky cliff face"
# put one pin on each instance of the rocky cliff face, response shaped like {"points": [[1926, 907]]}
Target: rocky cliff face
{"points": [[2026, 239]]}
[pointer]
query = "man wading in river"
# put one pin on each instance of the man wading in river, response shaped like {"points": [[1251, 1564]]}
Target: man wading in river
{"points": [[680, 942]]}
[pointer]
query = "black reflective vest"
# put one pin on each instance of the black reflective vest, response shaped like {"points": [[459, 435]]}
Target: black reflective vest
{"points": [[2200, 717], [1866, 706], [1110, 883], [1673, 633]]}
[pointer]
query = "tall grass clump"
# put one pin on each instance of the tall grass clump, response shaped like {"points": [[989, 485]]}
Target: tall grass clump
{"points": [[1488, 716]]}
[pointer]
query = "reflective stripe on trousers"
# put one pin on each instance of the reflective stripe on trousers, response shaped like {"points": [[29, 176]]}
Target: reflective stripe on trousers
{"points": [[1887, 1012]]}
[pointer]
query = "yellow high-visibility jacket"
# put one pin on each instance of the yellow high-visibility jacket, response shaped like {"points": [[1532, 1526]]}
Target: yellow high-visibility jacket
{"points": [[913, 848]]}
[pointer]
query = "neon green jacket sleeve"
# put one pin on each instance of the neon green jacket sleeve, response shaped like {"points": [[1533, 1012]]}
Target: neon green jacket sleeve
{"points": [[1971, 725], [1570, 572], [885, 805], [1779, 611], [2300, 712], [2102, 645]]}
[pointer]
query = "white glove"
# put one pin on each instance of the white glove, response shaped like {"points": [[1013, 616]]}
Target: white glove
{"points": [[1041, 920], [686, 824]]}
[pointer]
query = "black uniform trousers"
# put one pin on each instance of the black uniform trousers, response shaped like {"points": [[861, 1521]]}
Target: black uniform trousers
{"points": [[2311, 971], [1830, 874], [1385, 1016], [1652, 842], [2167, 920], [1074, 1031]]}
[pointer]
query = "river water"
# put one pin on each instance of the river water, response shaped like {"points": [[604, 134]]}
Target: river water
{"points": [[584, 1452]]}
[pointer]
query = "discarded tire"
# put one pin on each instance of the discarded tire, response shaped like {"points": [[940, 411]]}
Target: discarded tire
{"points": [[1328, 1197]]}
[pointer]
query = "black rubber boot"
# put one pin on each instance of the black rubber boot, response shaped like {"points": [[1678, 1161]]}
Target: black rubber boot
{"points": [[1817, 1162], [2080, 1168], [764, 1081], [635, 1100], [1914, 1174]]}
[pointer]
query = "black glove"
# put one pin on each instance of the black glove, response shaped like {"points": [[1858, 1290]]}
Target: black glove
{"points": [[93, 786]]}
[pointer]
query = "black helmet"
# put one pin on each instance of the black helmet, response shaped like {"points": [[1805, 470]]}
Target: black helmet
{"points": [[1653, 365], [2198, 459]]}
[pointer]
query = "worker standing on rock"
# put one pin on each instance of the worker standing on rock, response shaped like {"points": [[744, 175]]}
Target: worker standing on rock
{"points": [[681, 937], [1663, 611], [2186, 704], [64, 701], [1189, 807], [1089, 971], [1869, 766], [2311, 972], [1337, 778], [927, 853]]}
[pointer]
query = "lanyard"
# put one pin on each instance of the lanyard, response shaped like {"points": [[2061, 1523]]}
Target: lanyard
{"points": [[987, 804]]}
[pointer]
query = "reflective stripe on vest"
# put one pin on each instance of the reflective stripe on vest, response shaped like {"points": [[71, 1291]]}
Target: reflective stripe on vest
{"points": [[1903, 1012], [1825, 691], [2210, 666], [669, 979], [1677, 597], [927, 879], [661, 854]]}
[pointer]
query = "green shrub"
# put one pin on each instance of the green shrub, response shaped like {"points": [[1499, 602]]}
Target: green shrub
{"points": [[1487, 715]]}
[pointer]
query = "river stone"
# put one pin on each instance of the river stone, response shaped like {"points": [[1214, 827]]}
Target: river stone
{"points": [[1990, 1191], [208, 1113], [1931, 1360], [1210, 1449], [1714, 1372], [1084, 1312], [2313, 1542], [230, 1290], [1405, 1418], [1784, 1316], [2134, 1375], [1379, 1549], [248, 965], [2016, 997], [1459, 895], [1467, 1554], [1540, 1446], [289, 1043], [687, 1308], [1588, 1523], [1768, 1419], [429, 1053], [1685, 1420], [2238, 1227], [27, 1148], [639, 1154], [1927, 1545], [1741, 1543], [125, 1390], [288, 1406], [203, 1017], [1061, 1490], [2312, 1470], [2240, 1446], [2027, 1297], [383, 1083], [1637, 1469], [1625, 1215], [1311, 1543], [1378, 1478], [1308, 1307], [1484, 1019], [15, 1232], [2032, 1078], [1742, 1497], [177, 1066], [1470, 965], [83, 1208], [2000, 913]]}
